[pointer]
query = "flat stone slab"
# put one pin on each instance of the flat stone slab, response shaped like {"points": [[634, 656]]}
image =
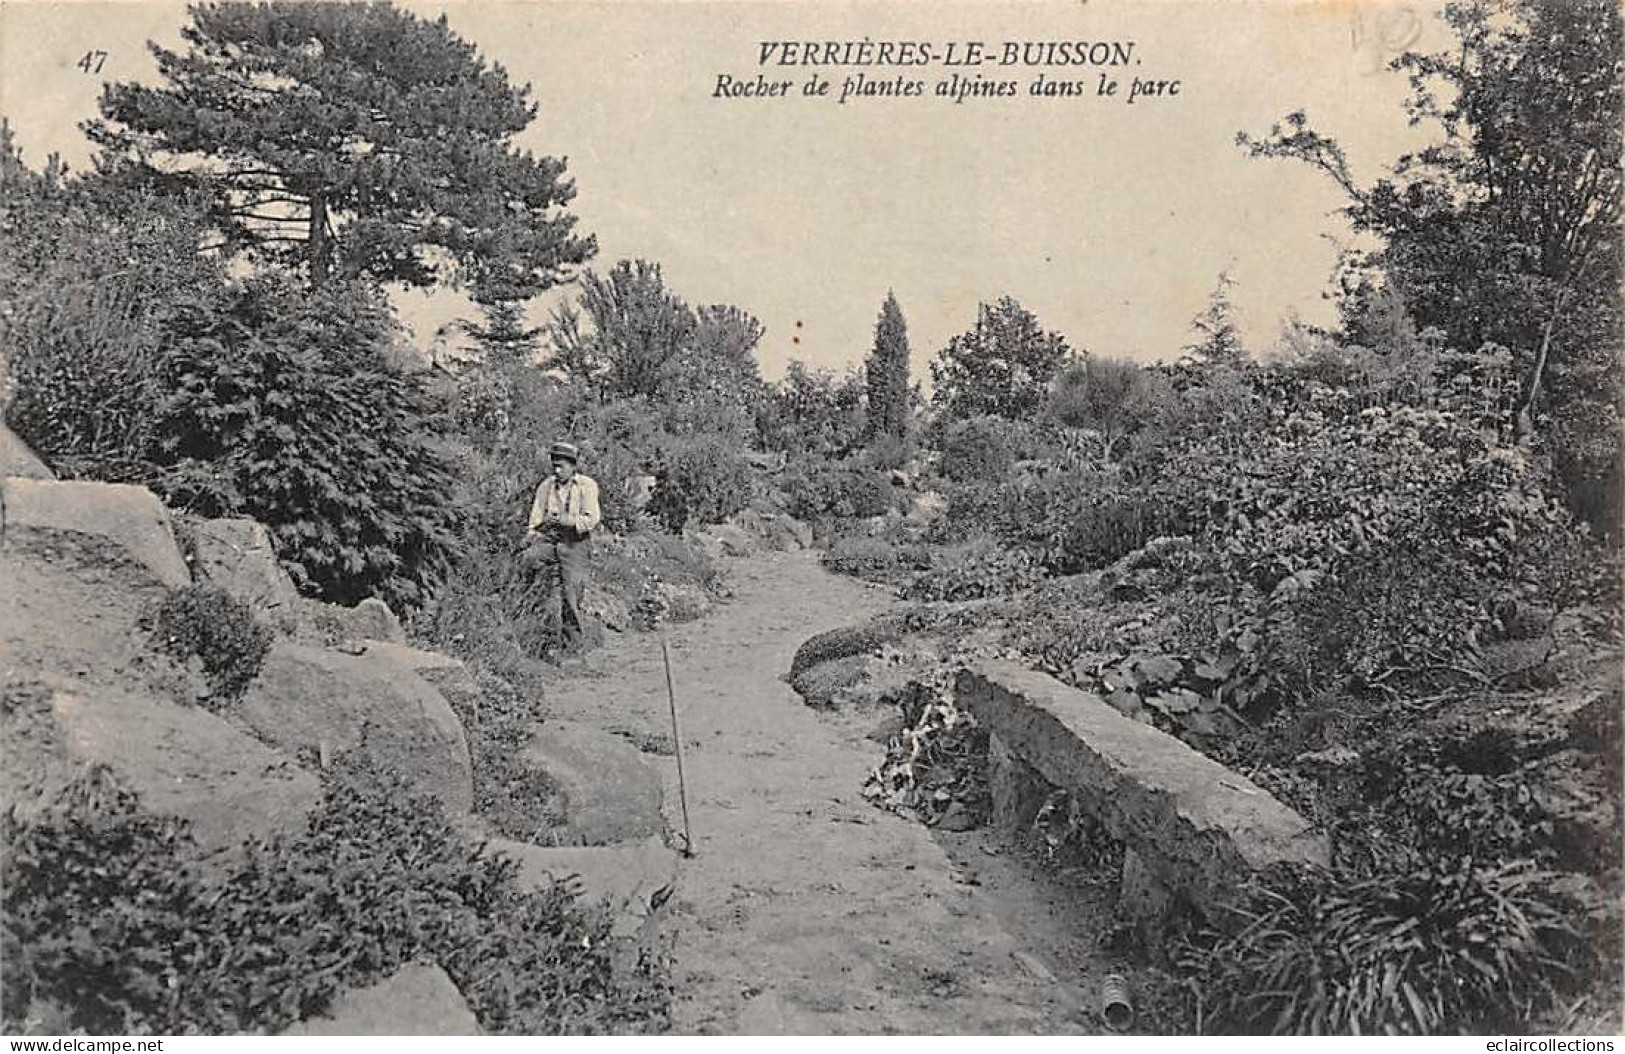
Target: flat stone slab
{"points": [[320, 703], [611, 794], [237, 556], [1199, 827], [129, 517], [183, 761]]}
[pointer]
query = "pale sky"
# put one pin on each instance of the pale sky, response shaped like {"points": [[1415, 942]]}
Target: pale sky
{"points": [[1109, 220]]}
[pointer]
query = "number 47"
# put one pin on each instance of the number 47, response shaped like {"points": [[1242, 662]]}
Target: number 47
{"points": [[92, 62]]}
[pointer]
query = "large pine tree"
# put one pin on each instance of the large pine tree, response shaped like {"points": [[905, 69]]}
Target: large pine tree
{"points": [[887, 373], [351, 140]]}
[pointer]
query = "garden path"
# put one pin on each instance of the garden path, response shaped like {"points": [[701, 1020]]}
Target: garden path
{"points": [[805, 910]]}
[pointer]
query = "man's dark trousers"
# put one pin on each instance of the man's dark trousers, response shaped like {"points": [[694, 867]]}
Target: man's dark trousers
{"points": [[561, 559]]}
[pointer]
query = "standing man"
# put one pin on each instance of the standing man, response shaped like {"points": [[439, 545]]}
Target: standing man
{"points": [[562, 519]]}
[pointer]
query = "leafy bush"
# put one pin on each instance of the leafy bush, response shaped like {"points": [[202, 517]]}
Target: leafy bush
{"points": [[982, 568], [887, 452], [282, 405], [976, 449], [700, 480], [845, 489], [220, 630], [88, 274], [813, 414], [874, 559], [1448, 946], [104, 915]]}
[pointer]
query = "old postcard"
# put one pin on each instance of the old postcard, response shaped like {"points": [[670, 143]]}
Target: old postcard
{"points": [[1083, 517]]}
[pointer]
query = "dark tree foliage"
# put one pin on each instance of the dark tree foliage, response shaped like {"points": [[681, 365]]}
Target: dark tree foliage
{"points": [[638, 330], [1506, 231], [88, 272], [503, 337], [352, 140], [887, 374], [1114, 398], [629, 337], [812, 412], [1002, 366], [284, 406]]}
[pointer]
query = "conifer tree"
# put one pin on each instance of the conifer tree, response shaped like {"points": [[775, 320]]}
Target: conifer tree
{"points": [[887, 374]]}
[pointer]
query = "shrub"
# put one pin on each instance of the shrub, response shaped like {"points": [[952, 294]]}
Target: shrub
{"points": [[979, 569], [813, 413], [104, 914], [887, 452], [1449, 946], [874, 559], [88, 275], [220, 630], [976, 449], [282, 405], [845, 489], [700, 480]]}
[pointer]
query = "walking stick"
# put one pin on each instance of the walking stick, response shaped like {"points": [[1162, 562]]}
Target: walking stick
{"points": [[677, 737]]}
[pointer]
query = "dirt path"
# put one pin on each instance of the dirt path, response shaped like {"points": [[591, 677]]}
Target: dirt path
{"points": [[805, 910]]}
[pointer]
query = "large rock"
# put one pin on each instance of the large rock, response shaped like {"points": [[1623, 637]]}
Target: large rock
{"points": [[927, 506], [237, 556], [317, 703], [129, 517], [631, 881], [726, 539], [447, 673], [318, 622], [1197, 827], [416, 1000], [373, 620], [16, 459], [611, 794], [182, 761]]}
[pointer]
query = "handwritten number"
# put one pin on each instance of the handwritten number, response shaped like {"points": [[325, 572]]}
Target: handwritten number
{"points": [[92, 62]]}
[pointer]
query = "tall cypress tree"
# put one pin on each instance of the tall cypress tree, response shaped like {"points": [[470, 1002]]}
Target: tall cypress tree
{"points": [[887, 371]]}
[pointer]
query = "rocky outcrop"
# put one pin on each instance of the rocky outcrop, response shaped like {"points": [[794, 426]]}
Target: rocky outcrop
{"points": [[726, 539], [632, 882], [1198, 829], [416, 1000], [373, 620], [128, 517], [449, 675], [610, 793], [774, 530], [237, 556], [313, 621], [183, 762], [16, 459], [316, 703]]}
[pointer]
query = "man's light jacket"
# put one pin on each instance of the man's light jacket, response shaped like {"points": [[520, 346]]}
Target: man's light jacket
{"points": [[574, 503]]}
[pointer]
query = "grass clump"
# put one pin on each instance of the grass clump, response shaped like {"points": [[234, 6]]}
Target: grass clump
{"points": [[219, 630]]}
